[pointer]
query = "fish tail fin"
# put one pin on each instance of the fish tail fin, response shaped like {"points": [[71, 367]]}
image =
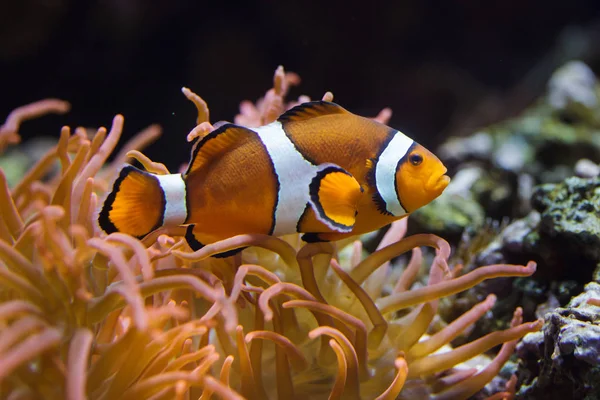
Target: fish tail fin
{"points": [[135, 205]]}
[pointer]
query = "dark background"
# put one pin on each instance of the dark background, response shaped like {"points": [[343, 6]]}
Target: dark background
{"points": [[444, 67]]}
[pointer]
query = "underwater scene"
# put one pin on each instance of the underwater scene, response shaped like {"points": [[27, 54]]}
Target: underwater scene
{"points": [[396, 200]]}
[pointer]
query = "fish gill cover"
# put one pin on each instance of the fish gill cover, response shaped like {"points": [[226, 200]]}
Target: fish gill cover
{"points": [[88, 315]]}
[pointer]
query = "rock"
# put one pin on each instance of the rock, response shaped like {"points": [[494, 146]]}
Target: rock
{"points": [[563, 361], [571, 89], [562, 233], [570, 218], [521, 170], [510, 154], [477, 146], [587, 169], [542, 145]]}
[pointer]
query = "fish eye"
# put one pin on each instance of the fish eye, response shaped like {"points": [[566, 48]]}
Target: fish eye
{"points": [[415, 159]]}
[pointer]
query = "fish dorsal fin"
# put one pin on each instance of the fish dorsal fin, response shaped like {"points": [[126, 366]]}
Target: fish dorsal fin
{"points": [[334, 196], [310, 110], [213, 144]]}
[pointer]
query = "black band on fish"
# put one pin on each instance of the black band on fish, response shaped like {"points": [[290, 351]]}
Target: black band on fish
{"points": [[277, 189], [400, 162], [386, 171]]}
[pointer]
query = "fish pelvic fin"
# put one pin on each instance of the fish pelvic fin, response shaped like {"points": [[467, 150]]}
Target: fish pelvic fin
{"points": [[334, 196], [193, 240], [135, 205]]}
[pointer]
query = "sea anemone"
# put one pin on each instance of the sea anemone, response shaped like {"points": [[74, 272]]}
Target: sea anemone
{"points": [[88, 315]]}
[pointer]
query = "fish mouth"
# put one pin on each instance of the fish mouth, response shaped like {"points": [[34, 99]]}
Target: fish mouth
{"points": [[438, 183], [442, 182]]}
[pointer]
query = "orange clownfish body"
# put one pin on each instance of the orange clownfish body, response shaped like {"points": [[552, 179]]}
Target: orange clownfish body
{"points": [[319, 170]]}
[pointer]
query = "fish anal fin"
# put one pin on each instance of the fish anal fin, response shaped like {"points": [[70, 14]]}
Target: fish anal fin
{"points": [[311, 109], [334, 196], [215, 143], [135, 205], [194, 241]]}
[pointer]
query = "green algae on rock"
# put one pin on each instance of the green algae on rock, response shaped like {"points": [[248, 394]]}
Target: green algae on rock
{"points": [[570, 222], [562, 233], [566, 119]]}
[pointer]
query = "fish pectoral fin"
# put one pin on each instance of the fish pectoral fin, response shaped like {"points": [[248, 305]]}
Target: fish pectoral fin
{"points": [[310, 110], [218, 141], [334, 196]]}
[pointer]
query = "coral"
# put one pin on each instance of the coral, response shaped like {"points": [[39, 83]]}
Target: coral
{"points": [[85, 315], [563, 360]]}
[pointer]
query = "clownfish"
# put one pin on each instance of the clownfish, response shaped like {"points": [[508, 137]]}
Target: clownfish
{"points": [[318, 170]]}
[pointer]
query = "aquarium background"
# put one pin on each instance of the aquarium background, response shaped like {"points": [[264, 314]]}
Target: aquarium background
{"points": [[444, 67]]}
